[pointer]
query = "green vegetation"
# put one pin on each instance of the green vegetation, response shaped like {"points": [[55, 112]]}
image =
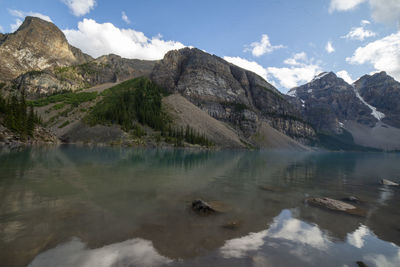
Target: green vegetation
{"points": [[18, 117], [64, 124], [139, 100], [237, 107], [2, 85], [74, 99], [189, 135], [59, 106]]}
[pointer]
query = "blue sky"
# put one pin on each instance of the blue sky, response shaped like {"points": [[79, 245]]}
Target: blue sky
{"points": [[283, 41]]}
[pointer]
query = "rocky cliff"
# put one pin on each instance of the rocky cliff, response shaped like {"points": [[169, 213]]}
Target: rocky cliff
{"points": [[229, 93], [382, 92], [327, 102], [36, 45]]}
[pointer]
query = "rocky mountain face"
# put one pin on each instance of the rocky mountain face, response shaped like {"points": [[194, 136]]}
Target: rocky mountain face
{"points": [[105, 69], [365, 114], [229, 93], [382, 92], [327, 102], [36, 45]]}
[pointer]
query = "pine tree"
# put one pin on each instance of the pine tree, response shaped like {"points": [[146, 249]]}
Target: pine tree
{"points": [[30, 125]]}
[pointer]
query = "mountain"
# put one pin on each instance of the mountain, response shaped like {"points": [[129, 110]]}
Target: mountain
{"points": [[346, 116], [36, 45], [382, 92], [105, 69], [83, 100], [230, 94]]}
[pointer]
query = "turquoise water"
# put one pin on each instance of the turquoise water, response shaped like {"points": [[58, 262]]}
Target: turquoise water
{"points": [[82, 206]]}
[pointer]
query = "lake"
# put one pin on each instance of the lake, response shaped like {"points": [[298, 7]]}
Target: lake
{"points": [[102, 206]]}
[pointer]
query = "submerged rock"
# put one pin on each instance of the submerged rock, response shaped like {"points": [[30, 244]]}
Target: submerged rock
{"points": [[351, 199], [202, 207], [388, 182], [361, 264], [330, 203], [232, 225]]}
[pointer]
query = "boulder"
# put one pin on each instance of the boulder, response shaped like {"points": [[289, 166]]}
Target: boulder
{"points": [[202, 207], [329, 203], [352, 199], [388, 182]]}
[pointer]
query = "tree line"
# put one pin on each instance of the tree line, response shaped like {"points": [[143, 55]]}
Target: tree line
{"points": [[18, 116]]}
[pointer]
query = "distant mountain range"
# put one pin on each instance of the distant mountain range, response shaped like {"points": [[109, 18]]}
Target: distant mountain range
{"points": [[231, 106]]}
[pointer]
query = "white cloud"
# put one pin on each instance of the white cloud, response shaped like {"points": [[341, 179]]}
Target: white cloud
{"points": [[365, 22], [383, 54], [80, 7], [23, 14], [359, 33], [301, 70], [137, 251], [329, 47], [263, 47], [345, 76], [1, 29], [16, 25], [385, 11], [248, 65], [125, 18], [98, 39], [344, 5]]}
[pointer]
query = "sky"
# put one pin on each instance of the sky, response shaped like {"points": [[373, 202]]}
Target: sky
{"points": [[287, 42]]}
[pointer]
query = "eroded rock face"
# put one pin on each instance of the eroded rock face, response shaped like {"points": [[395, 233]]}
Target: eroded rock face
{"points": [[36, 45], [383, 92], [328, 101], [228, 93]]}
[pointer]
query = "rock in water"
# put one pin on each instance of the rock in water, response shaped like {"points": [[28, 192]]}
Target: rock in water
{"points": [[388, 182], [351, 199], [361, 264], [202, 207], [331, 204]]}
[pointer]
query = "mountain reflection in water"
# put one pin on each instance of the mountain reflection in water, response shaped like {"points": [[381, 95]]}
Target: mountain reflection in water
{"points": [[85, 206]]}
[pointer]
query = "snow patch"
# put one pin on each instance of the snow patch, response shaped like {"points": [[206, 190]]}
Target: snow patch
{"points": [[378, 115], [292, 92], [309, 91], [319, 76]]}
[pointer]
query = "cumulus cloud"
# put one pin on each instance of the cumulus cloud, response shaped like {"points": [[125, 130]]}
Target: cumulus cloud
{"points": [[16, 25], [329, 47], [248, 65], [1, 29], [125, 18], [384, 11], [98, 39], [344, 5], [345, 76], [301, 69], [383, 54], [263, 47], [23, 14], [359, 33], [80, 7]]}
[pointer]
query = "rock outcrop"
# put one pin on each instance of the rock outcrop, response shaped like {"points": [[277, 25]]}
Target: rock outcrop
{"points": [[229, 93], [382, 92], [327, 102], [36, 45]]}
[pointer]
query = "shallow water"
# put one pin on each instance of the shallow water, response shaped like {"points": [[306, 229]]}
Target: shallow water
{"points": [[82, 206]]}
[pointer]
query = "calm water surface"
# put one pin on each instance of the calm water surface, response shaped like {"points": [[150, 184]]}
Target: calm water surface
{"points": [[80, 206]]}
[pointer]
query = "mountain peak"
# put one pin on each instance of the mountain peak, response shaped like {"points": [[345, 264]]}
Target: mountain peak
{"points": [[36, 45]]}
